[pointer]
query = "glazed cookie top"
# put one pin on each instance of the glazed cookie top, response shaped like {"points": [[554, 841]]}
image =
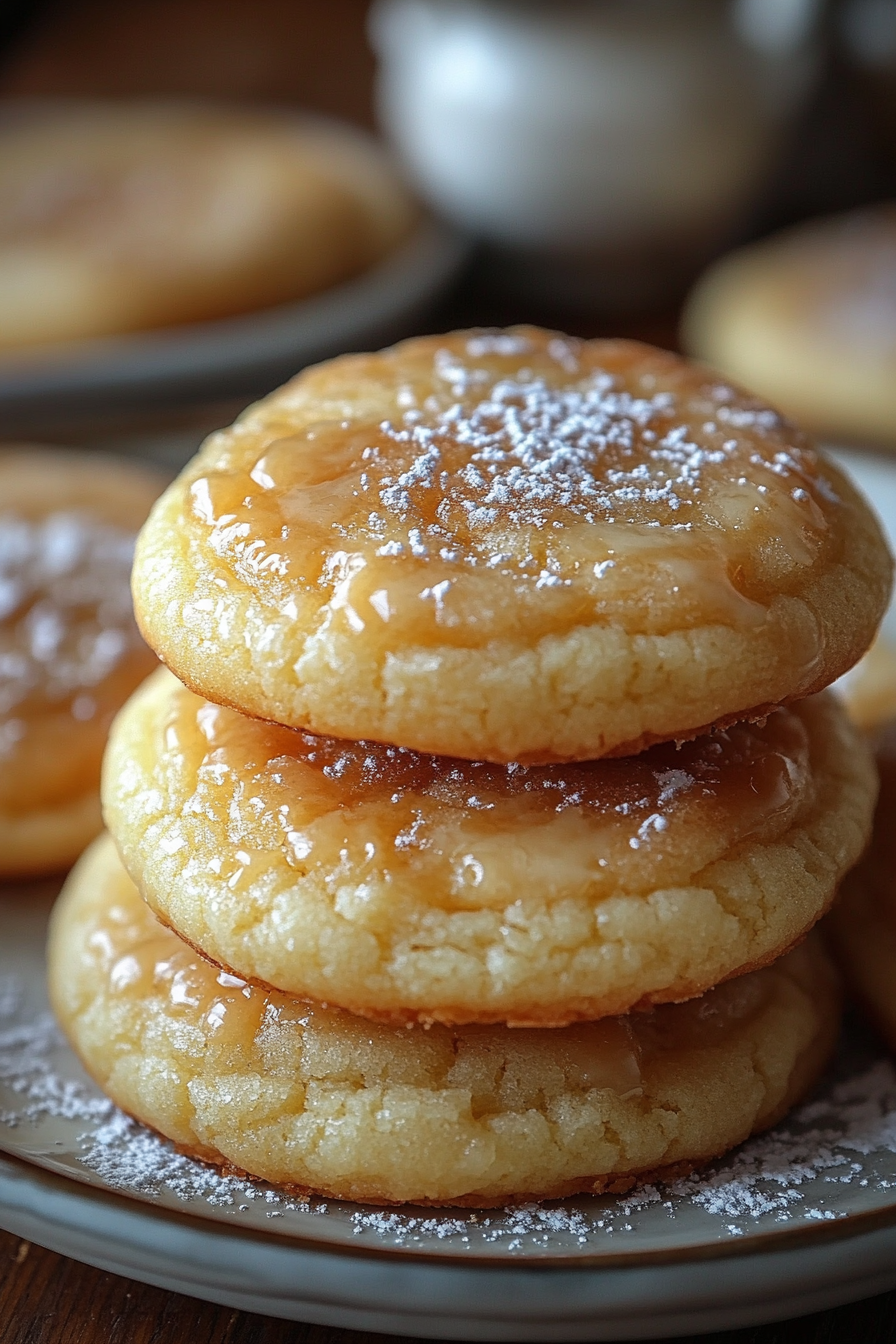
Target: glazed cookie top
{"points": [[70, 652], [405, 886], [379, 814], [488, 491]]}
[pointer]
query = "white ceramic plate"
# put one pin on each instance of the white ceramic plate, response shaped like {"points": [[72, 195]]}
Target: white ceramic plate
{"points": [[797, 1220]]}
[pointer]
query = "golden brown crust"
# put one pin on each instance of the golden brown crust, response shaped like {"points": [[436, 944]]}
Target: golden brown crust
{"points": [[510, 556], [620, 1183], [453, 1015], [405, 888]]}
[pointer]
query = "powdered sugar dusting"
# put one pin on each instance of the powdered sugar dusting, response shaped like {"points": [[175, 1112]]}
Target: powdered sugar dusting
{"points": [[535, 450], [491, 467], [821, 1141], [557, 466], [65, 610], [834, 1155], [26, 1072]]}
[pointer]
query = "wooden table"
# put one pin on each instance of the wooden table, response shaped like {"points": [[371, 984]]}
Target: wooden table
{"points": [[47, 1299]]}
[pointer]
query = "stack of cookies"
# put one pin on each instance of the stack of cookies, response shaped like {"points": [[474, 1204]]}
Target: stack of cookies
{"points": [[467, 851]]}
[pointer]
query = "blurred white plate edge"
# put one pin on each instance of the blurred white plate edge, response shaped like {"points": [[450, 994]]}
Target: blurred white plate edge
{"points": [[213, 358]]}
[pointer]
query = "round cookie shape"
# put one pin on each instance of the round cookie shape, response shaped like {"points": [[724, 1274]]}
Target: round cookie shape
{"points": [[861, 928], [70, 651], [121, 216], [510, 546], [314, 1098], [808, 318], [405, 887]]}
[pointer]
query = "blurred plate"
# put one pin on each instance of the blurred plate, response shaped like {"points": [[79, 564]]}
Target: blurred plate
{"points": [[233, 357]]}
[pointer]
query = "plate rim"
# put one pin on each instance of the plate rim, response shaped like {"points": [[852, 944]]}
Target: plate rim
{"points": [[166, 364], [455, 1299], [807, 1235]]}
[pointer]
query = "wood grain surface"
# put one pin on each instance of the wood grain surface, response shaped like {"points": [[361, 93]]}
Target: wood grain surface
{"points": [[48, 1299]]}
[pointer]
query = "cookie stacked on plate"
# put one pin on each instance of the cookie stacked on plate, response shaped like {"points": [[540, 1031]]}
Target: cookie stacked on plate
{"points": [[496, 745]]}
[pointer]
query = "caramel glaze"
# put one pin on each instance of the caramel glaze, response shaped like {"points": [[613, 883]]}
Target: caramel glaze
{"points": [[369, 811], [529, 484]]}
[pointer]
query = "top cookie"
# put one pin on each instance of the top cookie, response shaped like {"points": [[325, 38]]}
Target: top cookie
{"points": [[510, 546]]}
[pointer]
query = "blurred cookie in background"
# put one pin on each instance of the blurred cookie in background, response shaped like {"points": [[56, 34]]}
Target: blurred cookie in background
{"points": [[869, 689], [124, 216], [70, 653], [807, 319]]}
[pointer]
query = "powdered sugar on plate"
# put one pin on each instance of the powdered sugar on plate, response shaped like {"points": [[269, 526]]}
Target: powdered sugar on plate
{"points": [[834, 1156]]}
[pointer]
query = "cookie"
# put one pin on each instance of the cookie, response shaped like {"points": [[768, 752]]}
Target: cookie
{"points": [[409, 887], [70, 653], [120, 216], [311, 1097], [510, 547], [808, 319], [861, 928]]}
